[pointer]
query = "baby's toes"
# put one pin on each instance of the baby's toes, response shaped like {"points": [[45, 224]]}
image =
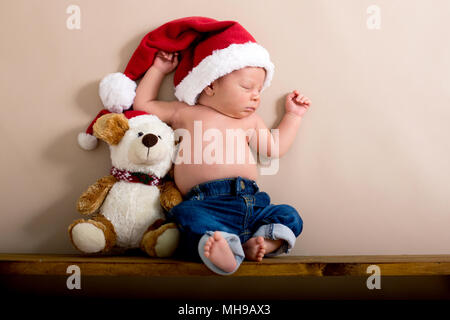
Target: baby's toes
{"points": [[262, 250], [211, 240], [206, 250], [260, 256], [207, 246], [260, 240]]}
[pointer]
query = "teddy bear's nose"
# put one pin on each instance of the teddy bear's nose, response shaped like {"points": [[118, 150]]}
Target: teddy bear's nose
{"points": [[149, 140]]}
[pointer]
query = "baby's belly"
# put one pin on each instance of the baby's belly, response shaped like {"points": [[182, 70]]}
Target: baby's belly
{"points": [[190, 175]]}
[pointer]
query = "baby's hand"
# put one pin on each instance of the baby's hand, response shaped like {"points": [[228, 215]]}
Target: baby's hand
{"points": [[166, 62], [297, 103]]}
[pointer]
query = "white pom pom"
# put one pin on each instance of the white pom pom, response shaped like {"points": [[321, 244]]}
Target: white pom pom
{"points": [[87, 141], [117, 92]]}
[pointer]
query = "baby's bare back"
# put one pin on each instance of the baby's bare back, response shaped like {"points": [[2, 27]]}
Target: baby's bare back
{"points": [[214, 146]]}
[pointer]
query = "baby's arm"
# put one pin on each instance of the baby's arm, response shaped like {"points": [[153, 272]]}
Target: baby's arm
{"points": [[264, 141], [147, 91]]}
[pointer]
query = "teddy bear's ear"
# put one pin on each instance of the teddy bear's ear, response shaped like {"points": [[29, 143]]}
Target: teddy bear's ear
{"points": [[178, 140], [111, 127]]}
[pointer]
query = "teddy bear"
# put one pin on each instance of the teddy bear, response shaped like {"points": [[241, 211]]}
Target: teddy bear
{"points": [[127, 206]]}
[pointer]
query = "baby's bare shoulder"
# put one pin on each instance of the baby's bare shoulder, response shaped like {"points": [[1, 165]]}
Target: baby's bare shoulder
{"points": [[254, 119], [188, 111]]}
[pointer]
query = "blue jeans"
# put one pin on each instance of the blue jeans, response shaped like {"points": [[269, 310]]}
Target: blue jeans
{"points": [[237, 208]]}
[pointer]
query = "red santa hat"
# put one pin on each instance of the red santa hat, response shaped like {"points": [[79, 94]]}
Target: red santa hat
{"points": [[208, 49], [88, 141]]}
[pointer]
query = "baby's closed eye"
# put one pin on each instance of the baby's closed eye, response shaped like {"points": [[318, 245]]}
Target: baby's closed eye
{"points": [[249, 87]]}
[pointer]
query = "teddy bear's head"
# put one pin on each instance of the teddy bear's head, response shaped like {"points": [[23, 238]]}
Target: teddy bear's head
{"points": [[142, 143]]}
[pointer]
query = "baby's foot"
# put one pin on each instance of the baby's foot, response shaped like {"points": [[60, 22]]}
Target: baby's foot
{"points": [[255, 249], [218, 251]]}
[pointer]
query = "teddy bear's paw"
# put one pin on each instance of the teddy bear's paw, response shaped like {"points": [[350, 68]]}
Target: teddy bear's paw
{"points": [[167, 243], [161, 242], [88, 238]]}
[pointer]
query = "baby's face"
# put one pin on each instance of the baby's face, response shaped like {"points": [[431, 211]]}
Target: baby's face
{"points": [[237, 93]]}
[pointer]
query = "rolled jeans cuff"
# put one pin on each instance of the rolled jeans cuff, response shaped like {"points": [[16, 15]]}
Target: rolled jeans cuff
{"points": [[277, 231]]}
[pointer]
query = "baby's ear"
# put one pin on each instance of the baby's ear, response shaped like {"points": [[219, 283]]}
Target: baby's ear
{"points": [[209, 90], [111, 127]]}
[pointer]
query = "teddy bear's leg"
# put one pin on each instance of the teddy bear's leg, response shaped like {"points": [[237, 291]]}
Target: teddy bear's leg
{"points": [[161, 242], [92, 236]]}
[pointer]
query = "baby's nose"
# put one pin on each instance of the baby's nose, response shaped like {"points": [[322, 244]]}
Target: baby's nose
{"points": [[149, 140]]}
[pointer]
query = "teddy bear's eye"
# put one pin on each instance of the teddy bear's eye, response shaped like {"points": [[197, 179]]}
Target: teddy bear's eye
{"points": [[140, 134], [159, 136]]}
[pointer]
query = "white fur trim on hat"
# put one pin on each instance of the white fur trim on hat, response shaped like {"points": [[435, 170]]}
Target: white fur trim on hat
{"points": [[87, 141], [220, 63], [117, 92]]}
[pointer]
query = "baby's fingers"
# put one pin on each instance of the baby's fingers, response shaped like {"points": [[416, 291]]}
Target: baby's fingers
{"points": [[299, 98], [291, 96], [166, 55], [173, 56]]}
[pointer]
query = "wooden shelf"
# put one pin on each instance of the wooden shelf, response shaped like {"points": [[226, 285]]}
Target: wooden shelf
{"points": [[319, 266]]}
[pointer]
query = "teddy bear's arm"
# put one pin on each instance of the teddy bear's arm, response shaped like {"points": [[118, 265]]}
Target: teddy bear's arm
{"points": [[93, 197], [170, 195]]}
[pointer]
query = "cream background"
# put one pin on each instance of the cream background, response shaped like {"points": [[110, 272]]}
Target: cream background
{"points": [[369, 170]]}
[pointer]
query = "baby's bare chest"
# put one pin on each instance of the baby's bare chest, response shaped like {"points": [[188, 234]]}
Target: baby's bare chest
{"points": [[212, 147], [210, 124]]}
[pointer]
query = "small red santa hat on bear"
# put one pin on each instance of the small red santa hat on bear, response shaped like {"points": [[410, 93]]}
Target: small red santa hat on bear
{"points": [[209, 49], [88, 141]]}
